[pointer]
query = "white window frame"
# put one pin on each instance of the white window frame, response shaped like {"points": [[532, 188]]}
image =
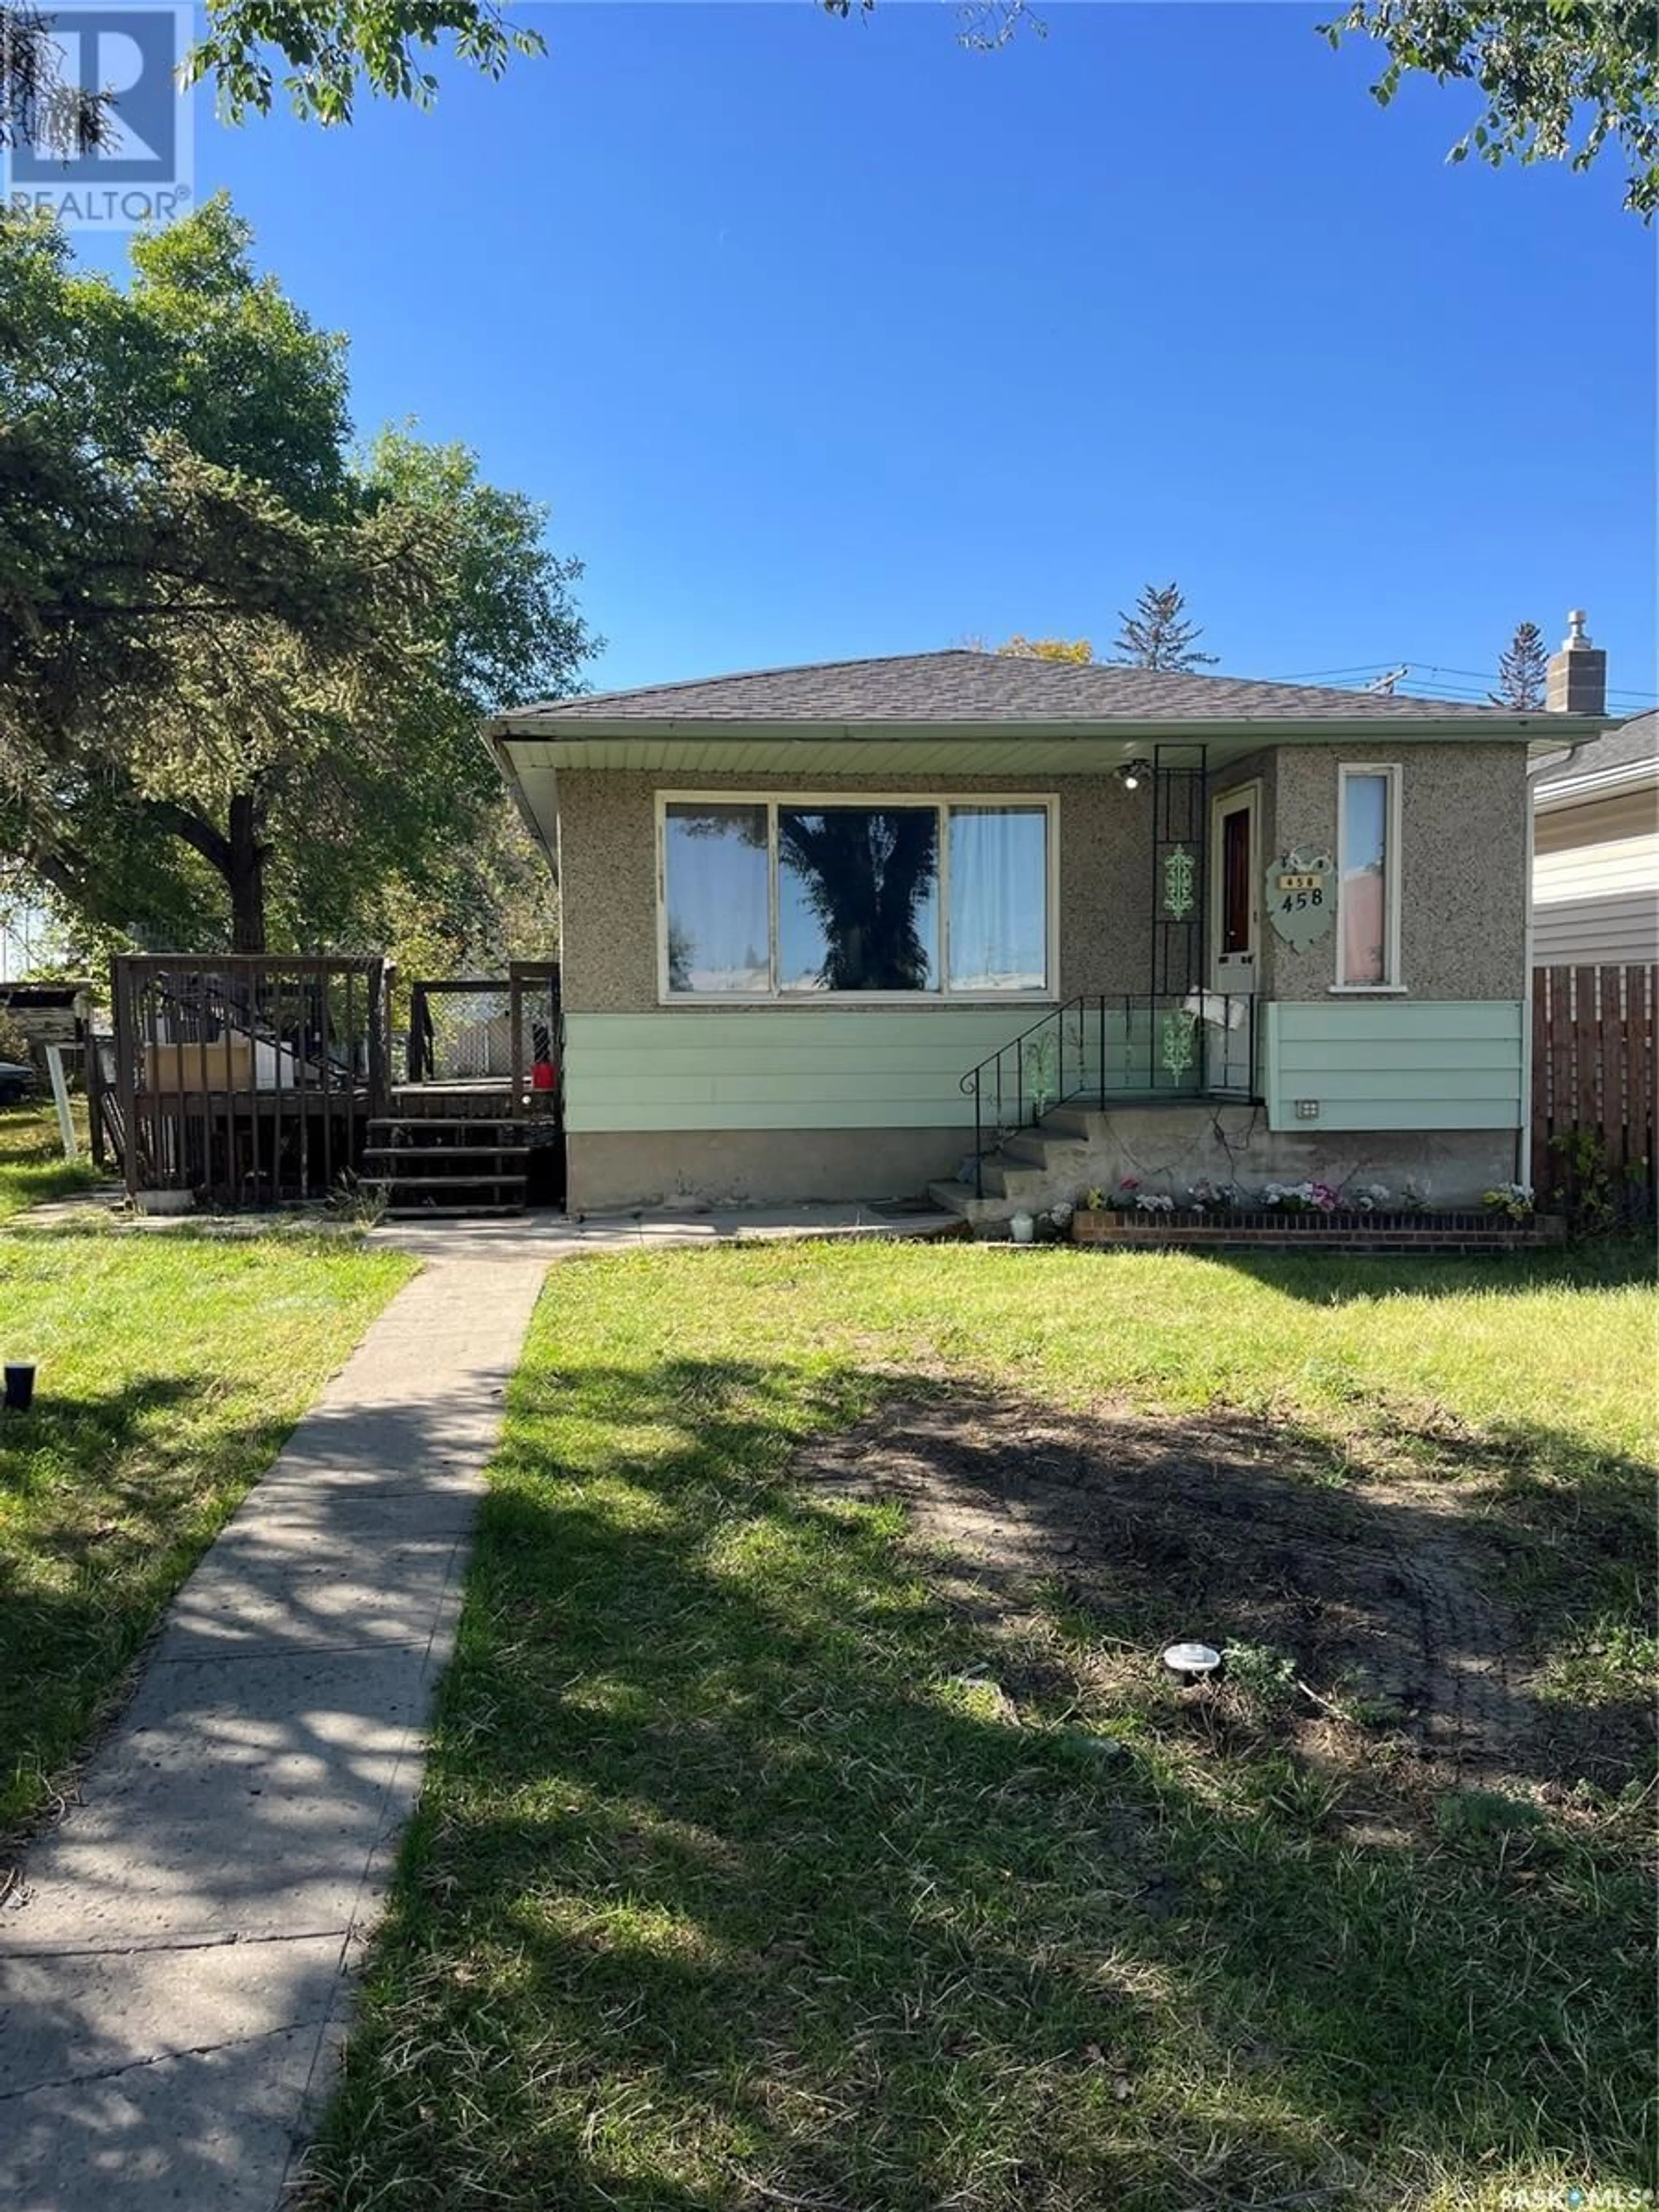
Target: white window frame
{"points": [[1392, 984], [807, 800]]}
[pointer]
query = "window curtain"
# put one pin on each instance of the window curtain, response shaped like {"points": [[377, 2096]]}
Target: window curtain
{"points": [[999, 898], [719, 925]]}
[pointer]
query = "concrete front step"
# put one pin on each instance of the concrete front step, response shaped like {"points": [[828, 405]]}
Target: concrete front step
{"points": [[1019, 1181], [961, 1199], [1075, 1146]]}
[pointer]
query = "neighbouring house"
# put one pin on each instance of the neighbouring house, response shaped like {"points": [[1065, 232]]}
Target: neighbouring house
{"points": [[1004, 927], [1595, 851], [48, 1013]]}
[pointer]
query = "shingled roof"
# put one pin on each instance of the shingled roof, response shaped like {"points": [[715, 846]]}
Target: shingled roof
{"points": [[966, 686], [1633, 746]]}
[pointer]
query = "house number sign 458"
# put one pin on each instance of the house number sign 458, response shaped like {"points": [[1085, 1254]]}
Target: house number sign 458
{"points": [[1301, 897]]}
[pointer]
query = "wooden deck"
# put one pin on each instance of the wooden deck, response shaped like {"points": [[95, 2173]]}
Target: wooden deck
{"points": [[250, 1081]]}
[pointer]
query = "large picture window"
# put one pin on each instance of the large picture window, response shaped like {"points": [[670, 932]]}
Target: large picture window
{"points": [[800, 899], [1368, 867]]}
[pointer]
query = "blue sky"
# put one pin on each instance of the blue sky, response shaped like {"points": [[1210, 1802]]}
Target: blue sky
{"points": [[823, 339]]}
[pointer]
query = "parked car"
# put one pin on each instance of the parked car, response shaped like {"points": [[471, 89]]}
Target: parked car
{"points": [[17, 1081]]}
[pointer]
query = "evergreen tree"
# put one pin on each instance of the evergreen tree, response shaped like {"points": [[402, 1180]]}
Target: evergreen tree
{"points": [[1158, 633], [1522, 670]]}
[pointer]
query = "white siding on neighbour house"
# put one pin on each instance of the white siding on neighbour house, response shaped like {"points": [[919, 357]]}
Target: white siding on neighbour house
{"points": [[1595, 882]]}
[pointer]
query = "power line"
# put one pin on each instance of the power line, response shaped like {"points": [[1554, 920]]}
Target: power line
{"points": [[1474, 685]]}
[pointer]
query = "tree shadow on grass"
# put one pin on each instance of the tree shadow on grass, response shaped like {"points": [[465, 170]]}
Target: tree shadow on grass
{"points": [[1337, 1278], [744, 1880], [107, 1507]]}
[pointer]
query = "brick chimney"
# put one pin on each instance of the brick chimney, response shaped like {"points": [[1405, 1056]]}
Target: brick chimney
{"points": [[1578, 674]]}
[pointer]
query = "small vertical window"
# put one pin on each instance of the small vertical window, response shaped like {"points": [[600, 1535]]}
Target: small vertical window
{"points": [[1368, 935]]}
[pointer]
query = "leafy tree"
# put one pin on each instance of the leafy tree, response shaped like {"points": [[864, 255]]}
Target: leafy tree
{"points": [[1560, 77], [1522, 670], [1076, 650], [474, 905], [237, 661], [1548, 68], [316, 53], [1158, 633], [36, 108]]}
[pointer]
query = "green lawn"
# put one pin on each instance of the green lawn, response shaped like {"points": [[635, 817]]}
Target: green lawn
{"points": [[32, 1163], [775, 1853], [170, 1367]]}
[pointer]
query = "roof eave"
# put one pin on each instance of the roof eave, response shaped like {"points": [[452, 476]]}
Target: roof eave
{"points": [[1544, 733], [1596, 783], [527, 814]]}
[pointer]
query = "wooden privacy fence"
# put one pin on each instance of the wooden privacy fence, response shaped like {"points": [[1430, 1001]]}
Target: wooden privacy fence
{"points": [[1594, 1068], [246, 1078]]}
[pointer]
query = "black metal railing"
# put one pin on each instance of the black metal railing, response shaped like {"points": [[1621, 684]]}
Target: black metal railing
{"points": [[1103, 1047]]}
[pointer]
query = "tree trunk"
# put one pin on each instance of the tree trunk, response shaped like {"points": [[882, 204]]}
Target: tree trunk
{"points": [[245, 876]]}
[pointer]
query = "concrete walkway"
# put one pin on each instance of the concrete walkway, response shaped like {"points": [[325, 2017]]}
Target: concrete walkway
{"points": [[175, 1972], [563, 1236]]}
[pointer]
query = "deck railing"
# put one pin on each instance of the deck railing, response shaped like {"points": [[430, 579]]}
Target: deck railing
{"points": [[246, 1078], [477, 1029], [1103, 1047]]}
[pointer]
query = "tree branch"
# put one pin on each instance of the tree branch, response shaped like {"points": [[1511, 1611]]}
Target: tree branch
{"points": [[200, 835]]}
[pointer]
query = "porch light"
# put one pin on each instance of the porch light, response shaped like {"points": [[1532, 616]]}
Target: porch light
{"points": [[1132, 774]]}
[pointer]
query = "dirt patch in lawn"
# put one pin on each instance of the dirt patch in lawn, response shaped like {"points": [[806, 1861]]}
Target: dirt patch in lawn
{"points": [[1084, 1542]]}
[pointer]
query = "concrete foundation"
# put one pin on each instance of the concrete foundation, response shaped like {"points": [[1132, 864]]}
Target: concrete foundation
{"points": [[613, 1170], [1165, 1146], [1171, 1146]]}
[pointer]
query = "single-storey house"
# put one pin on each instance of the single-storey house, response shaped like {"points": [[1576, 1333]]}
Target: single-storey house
{"points": [[1006, 927], [1595, 851]]}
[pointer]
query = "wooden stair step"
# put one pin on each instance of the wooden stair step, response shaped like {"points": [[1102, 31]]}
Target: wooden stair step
{"points": [[425, 1152], [446, 1121], [445, 1181], [444, 1213]]}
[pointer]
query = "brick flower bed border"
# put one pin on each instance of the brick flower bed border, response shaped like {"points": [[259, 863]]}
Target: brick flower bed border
{"points": [[1328, 1232]]}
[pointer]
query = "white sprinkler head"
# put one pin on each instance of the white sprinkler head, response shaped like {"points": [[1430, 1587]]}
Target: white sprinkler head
{"points": [[1194, 1662]]}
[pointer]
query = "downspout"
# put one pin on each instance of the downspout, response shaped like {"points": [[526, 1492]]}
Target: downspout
{"points": [[1576, 683]]}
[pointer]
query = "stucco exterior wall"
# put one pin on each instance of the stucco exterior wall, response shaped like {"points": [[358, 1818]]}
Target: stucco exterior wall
{"points": [[1463, 859], [608, 873]]}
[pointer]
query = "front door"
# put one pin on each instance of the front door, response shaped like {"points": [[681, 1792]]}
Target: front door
{"points": [[1235, 938]]}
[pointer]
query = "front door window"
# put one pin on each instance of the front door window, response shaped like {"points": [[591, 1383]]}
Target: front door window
{"points": [[1237, 883]]}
